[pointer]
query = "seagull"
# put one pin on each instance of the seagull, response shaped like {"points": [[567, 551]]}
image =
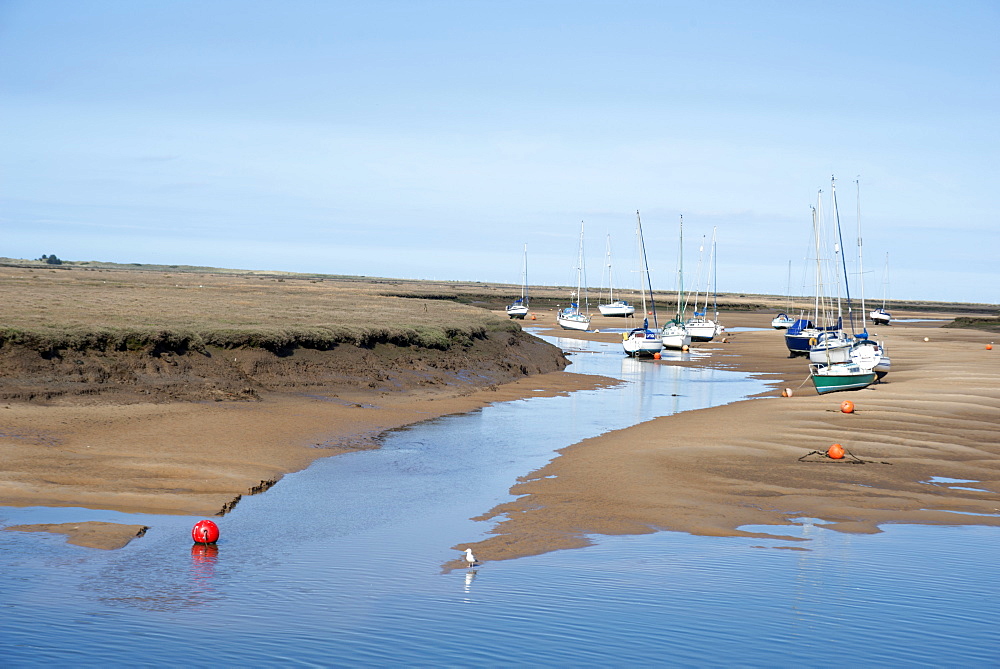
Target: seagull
{"points": [[470, 558]]}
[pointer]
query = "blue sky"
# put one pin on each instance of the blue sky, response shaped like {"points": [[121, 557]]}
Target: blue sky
{"points": [[433, 139]]}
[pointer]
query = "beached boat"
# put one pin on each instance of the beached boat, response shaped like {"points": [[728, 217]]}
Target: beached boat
{"points": [[643, 341], [840, 376], [700, 327], [572, 318], [879, 315], [674, 335], [783, 321], [614, 308], [519, 309]]}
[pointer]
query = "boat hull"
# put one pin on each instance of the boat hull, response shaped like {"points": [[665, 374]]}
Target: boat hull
{"points": [[518, 312], [574, 322], [836, 378], [675, 337], [880, 317], [702, 330], [617, 309], [642, 342]]}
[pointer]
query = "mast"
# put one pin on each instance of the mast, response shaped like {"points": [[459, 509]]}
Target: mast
{"points": [[818, 272], [524, 278], [680, 272], [697, 274], [611, 281], [885, 279], [788, 289], [579, 274], [645, 264], [715, 271], [861, 262], [843, 260]]}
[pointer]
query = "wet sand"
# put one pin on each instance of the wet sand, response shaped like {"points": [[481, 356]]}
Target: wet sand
{"points": [[714, 471]]}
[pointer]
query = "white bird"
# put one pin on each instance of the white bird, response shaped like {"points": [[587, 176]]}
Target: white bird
{"points": [[470, 558]]}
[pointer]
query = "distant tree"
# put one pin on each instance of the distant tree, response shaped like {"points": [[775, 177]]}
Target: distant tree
{"points": [[51, 260]]}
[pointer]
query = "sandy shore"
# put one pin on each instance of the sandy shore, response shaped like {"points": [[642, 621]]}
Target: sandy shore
{"points": [[714, 471], [707, 472]]}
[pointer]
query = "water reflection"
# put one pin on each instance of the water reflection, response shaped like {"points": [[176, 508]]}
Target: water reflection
{"points": [[470, 576]]}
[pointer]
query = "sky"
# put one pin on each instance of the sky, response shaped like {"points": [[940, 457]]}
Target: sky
{"points": [[434, 139]]}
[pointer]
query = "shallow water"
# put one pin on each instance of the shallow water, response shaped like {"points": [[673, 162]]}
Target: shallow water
{"points": [[341, 565]]}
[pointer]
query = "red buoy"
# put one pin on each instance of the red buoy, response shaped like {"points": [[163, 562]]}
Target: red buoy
{"points": [[835, 452], [205, 532], [657, 356], [847, 406]]}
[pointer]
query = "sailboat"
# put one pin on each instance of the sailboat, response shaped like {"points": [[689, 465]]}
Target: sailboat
{"points": [[643, 341], [700, 327], [834, 346], [674, 335], [519, 309], [571, 318], [838, 371], [614, 307], [804, 332], [879, 315], [783, 321]]}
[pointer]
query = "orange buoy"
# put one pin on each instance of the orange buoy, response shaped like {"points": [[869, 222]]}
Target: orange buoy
{"points": [[835, 452], [847, 406], [649, 313], [787, 392], [205, 532], [657, 356], [532, 316], [685, 348], [989, 347]]}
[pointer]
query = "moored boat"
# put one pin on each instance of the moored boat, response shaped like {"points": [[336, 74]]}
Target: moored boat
{"points": [[674, 335], [519, 308], [618, 308], [782, 321], [572, 318], [643, 341], [880, 316], [614, 308], [700, 327]]}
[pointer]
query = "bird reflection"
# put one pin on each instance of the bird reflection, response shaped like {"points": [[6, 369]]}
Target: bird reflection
{"points": [[470, 576]]}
